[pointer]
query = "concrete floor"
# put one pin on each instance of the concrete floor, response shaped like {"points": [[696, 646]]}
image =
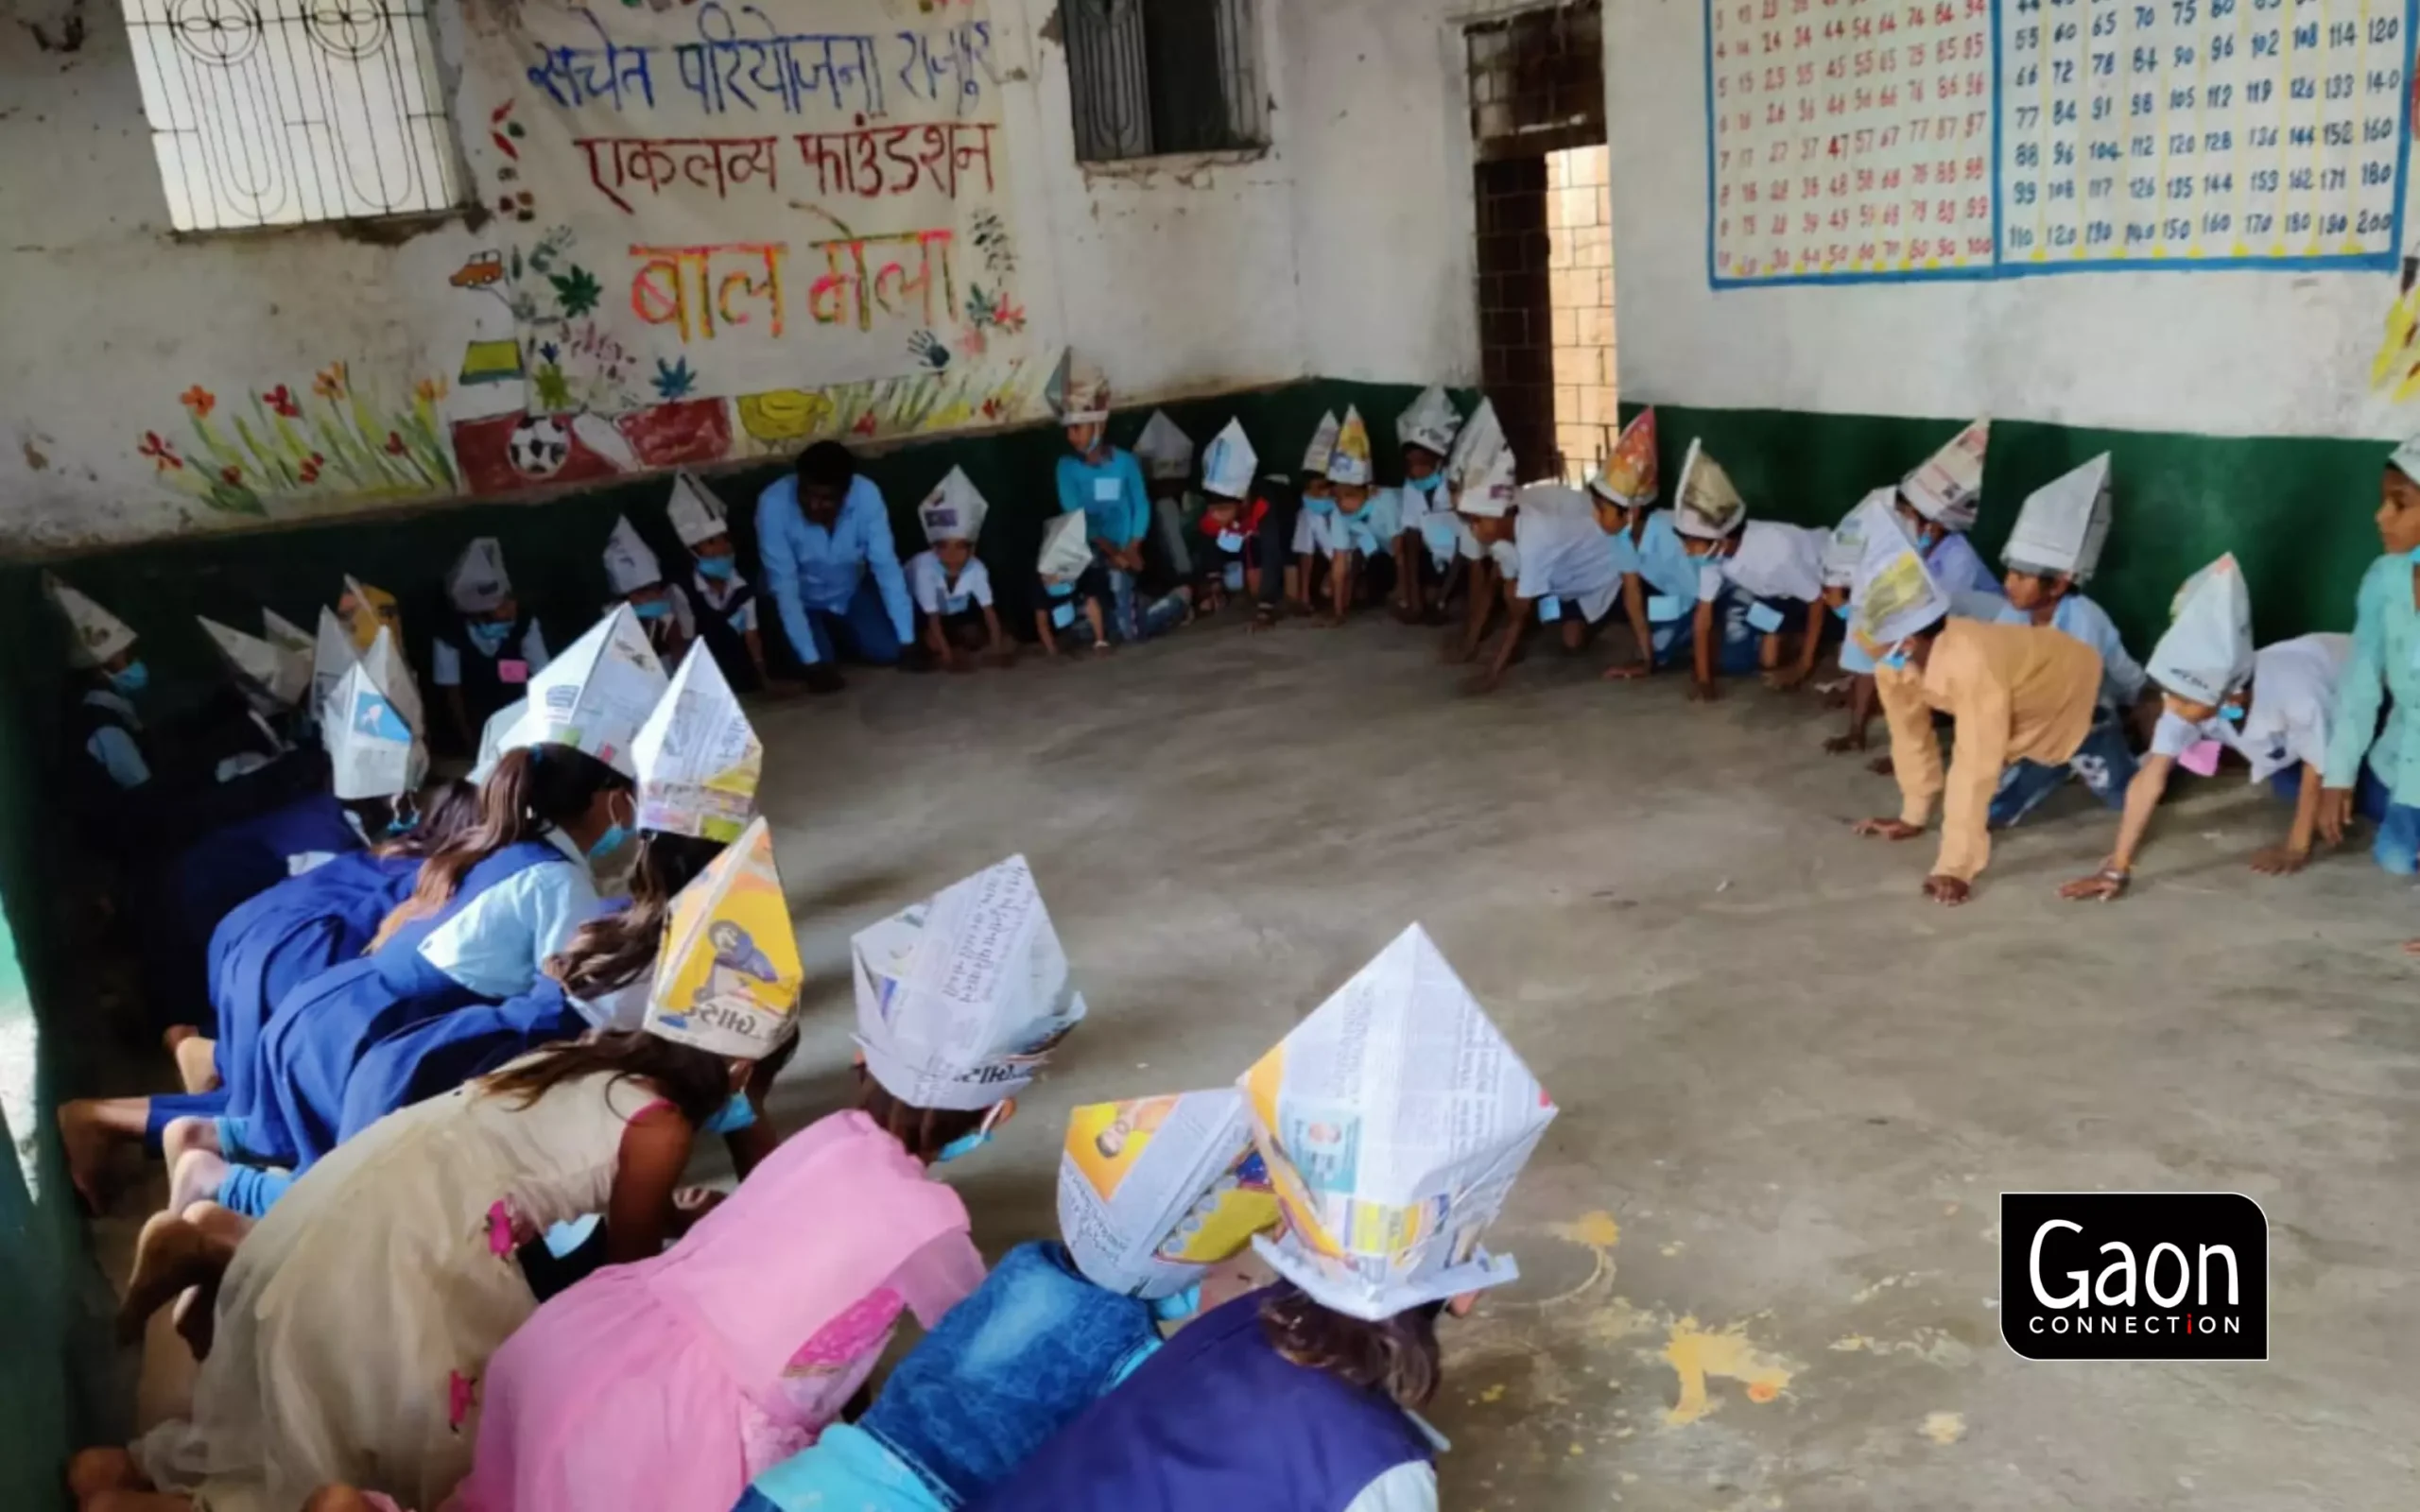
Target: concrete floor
{"points": [[1759, 1246]]}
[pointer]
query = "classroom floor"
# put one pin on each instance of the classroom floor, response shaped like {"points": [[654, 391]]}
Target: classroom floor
{"points": [[1759, 1246]]}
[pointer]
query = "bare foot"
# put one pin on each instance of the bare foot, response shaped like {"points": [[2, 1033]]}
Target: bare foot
{"points": [[194, 1177], [169, 1255], [197, 1059], [197, 1317], [94, 1471], [86, 1144], [1879, 766]]}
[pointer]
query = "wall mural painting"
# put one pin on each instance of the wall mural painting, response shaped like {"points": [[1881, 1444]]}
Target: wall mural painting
{"points": [[325, 439]]}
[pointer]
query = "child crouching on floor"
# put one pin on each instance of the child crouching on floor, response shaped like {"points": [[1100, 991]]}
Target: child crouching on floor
{"points": [[1073, 588], [1748, 571], [951, 587], [725, 599]]}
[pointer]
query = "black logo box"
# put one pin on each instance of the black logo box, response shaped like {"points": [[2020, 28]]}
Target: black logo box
{"points": [[2198, 1271]]}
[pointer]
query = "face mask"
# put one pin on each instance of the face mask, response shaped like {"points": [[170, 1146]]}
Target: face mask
{"points": [[489, 636], [1318, 505], [717, 567], [1430, 484], [965, 1144], [1840, 613], [732, 1116], [614, 837], [2232, 713], [131, 679], [653, 609], [1183, 1305], [1896, 659]]}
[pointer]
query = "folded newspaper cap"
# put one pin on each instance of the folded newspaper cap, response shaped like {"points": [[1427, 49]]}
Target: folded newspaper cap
{"points": [[1228, 465], [1322, 448], [478, 582], [294, 648], [1154, 1192], [594, 697], [728, 974], [1430, 423], [954, 510], [695, 514], [96, 636], [1894, 594], [371, 726], [1479, 438], [1393, 1120], [1491, 491], [1349, 463], [495, 738], [1085, 399], [1064, 550], [2062, 524], [698, 760], [1949, 487], [1164, 449], [1846, 547], [1628, 478], [628, 564], [1708, 507], [2206, 653], [2406, 459], [252, 659], [363, 608], [960, 997], [332, 656]]}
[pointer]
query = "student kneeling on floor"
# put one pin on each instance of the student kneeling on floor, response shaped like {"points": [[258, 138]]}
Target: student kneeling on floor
{"points": [[824, 535], [951, 586]]}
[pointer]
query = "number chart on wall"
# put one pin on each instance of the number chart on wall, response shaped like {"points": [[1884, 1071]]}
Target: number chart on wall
{"points": [[1856, 140]]}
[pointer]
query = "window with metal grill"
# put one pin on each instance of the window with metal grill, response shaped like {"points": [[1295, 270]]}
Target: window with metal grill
{"points": [[1149, 77], [273, 113]]}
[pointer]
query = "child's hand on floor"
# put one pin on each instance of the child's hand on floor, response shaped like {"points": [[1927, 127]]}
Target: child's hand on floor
{"points": [[1629, 671], [1704, 692], [2105, 886], [2279, 860], [1784, 679], [1842, 744], [1948, 891]]}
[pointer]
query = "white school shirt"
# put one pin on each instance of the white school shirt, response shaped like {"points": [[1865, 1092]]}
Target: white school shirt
{"points": [[929, 585], [2294, 690], [500, 939], [1314, 533], [1563, 554], [716, 595], [445, 657], [1774, 560]]}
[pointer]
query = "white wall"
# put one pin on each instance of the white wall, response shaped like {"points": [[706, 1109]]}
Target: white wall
{"points": [[2211, 353]]}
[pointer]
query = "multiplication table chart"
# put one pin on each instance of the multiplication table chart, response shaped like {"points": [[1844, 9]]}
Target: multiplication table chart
{"points": [[2082, 135]]}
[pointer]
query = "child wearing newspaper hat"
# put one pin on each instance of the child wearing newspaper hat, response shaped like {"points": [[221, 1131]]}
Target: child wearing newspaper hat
{"points": [[672, 1384], [1659, 581], [2272, 707], [725, 601], [1074, 593], [487, 648], [1361, 526], [951, 586], [1304, 1394], [1751, 575], [1152, 1194], [636, 576], [1426, 431], [358, 1319], [1938, 503], [1875, 516], [1240, 523]]}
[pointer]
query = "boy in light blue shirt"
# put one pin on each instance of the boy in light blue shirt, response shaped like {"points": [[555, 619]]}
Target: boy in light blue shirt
{"points": [[2384, 670], [1105, 484]]}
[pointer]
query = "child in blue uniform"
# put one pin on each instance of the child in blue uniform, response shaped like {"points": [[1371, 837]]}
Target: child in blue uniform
{"points": [[484, 655], [1104, 484], [2363, 753], [1425, 538]]}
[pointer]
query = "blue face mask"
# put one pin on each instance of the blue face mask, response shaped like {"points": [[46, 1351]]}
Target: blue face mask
{"points": [[653, 609], [612, 840], [965, 1144], [489, 636], [2232, 713], [1840, 613], [732, 1116], [1896, 659], [1318, 505], [131, 678], [1430, 484], [1177, 1308], [717, 567]]}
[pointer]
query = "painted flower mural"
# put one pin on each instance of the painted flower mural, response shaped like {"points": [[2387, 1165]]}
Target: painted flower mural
{"points": [[342, 442]]}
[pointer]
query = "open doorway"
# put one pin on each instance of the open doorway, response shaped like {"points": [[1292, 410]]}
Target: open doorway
{"points": [[1545, 257]]}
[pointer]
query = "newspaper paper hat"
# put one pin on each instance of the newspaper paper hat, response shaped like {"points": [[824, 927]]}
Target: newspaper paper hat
{"points": [[479, 581], [695, 513], [1481, 435], [628, 564], [1154, 1191], [1706, 505], [495, 738], [332, 656], [1385, 1193], [1322, 448], [728, 974], [1629, 477], [699, 761], [1949, 488], [954, 510], [1488, 486], [1349, 463], [2406, 459], [371, 726], [255, 661], [96, 636], [1085, 401], [960, 997], [1164, 449], [2062, 524], [1894, 594], [594, 697], [1228, 465], [294, 648], [1845, 548], [1430, 423], [2206, 653], [1064, 550], [363, 608]]}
